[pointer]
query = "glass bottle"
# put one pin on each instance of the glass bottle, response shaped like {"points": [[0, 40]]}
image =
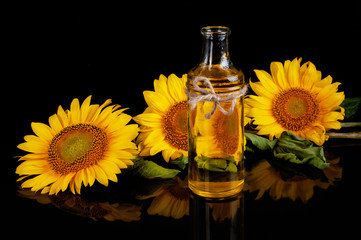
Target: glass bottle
{"points": [[215, 90]]}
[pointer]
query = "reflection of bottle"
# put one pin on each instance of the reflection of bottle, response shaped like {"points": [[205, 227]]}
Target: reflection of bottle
{"points": [[215, 90], [217, 219]]}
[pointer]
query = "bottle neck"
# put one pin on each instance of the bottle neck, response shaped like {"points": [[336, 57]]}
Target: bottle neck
{"points": [[215, 47]]}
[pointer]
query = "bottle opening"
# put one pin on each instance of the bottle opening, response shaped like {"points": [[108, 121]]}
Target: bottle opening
{"points": [[215, 30]]}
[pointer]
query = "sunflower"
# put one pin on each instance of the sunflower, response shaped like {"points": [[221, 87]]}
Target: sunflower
{"points": [[82, 144], [295, 99], [164, 122]]}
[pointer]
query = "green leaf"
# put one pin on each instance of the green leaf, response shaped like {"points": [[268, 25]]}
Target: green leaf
{"points": [[149, 169], [257, 143], [298, 150], [257, 149], [351, 106], [181, 162]]}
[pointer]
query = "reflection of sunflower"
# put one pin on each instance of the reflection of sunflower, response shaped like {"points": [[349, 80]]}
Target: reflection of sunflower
{"points": [[86, 143], [70, 203], [220, 135], [170, 201], [263, 177], [295, 99], [164, 122]]}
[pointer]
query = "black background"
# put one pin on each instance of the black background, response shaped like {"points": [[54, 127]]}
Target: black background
{"points": [[54, 53]]}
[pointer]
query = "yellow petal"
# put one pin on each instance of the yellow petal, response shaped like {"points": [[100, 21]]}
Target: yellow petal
{"points": [[128, 132], [42, 130], [286, 67], [67, 180], [332, 125], [316, 133], [55, 123], [149, 119], [110, 169], [257, 112], [63, 117], [294, 73], [78, 181], [259, 102], [160, 86], [260, 90], [119, 145], [333, 102], [309, 75], [72, 185], [33, 147], [264, 120], [157, 147], [109, 166], [91, 175], [117, 123], [327, 91], [99, 109], [75, 111], [56, 186], [85, 109], [278, 75], [32, 167], [176, 88], [155, 135], [324, 82], [272, 130], [84, 177], [168, 153], [41, 181], [34, 156], [156, 101], [333, 116], [267, 81], [119, 162], [105, 116], [100, 175], [36, 140]]}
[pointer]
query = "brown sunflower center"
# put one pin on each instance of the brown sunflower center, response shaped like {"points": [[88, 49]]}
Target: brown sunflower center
{"points": [[295, 109], [175, 126], [76, 147]]}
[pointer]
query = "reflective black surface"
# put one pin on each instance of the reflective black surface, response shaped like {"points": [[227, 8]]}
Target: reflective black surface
{"points": [[300, 208]]}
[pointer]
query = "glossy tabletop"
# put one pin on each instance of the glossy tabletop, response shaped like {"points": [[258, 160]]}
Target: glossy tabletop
{"points": [[327, 207]]}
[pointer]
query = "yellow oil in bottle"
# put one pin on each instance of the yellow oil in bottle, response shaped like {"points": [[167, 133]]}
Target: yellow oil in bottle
{"points": [[216, 145]]}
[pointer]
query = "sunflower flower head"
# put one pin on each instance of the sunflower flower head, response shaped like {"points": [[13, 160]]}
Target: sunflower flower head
{"points": [[79, 145], [164, 122], [295, 98]]}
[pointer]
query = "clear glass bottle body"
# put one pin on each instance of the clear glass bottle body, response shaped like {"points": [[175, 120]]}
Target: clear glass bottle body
{"points": [[216, 144]]}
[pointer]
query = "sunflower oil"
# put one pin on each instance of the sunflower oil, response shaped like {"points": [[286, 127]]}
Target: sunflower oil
{"points": [[215, 120], [216, 149]]}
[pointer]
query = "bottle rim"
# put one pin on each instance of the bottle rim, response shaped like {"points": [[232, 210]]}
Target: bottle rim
{"points": [[215, 30]]}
